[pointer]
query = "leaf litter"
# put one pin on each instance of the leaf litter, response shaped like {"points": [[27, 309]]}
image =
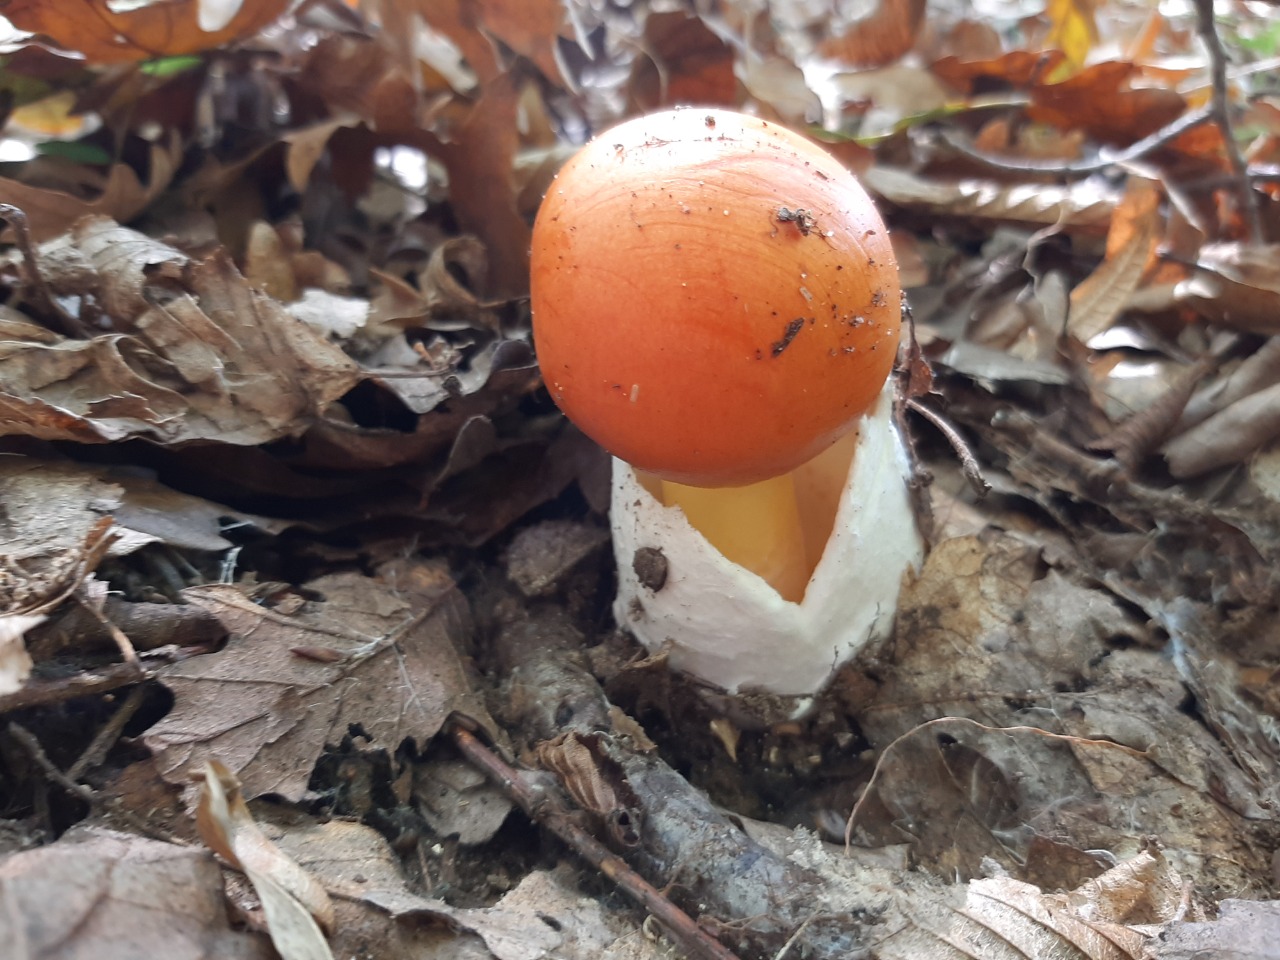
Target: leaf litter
{"points": [[286, 512]]}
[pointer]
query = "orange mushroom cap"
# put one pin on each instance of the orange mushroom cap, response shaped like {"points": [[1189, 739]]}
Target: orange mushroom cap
{"points": [[715, 299]]}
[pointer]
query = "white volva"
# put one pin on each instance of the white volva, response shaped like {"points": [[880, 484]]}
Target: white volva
{"points": [[725, 625]]}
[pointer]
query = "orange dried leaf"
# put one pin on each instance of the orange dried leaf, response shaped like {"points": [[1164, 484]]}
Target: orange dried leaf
{"points": [[165, 28], [881, 38], [1017, 69], [1100, 101], [529, 27], [686, 63], [1131, 244]]}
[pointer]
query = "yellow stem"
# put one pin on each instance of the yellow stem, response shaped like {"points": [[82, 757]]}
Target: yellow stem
{"points": [[777, 528]]}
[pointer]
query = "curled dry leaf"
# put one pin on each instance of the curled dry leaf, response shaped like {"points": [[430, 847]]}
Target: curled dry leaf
{"points": [[1228, 437], [1099, 920], [194, 354], [105, 33], [1098, 300], [1085, 206], [1237, 286], [290, 896]]}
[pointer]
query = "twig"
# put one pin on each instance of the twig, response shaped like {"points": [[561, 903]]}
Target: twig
{"points": [[966, 722], [96, 752], [691, 938], [29, 742], [1220, 108], [1104, 158], [969, 465], [64, 323], [43, 692], [124, 644]]}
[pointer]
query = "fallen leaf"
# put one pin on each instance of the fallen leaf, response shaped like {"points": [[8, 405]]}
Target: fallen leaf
{"points": [[1099, 300], [267, 713], [684, 62], [1244, 930], [208, 359], [105, 33], [1237, 285], [292, 900], [1072, 30], [1017, 69], [100, 895], [1100, 101], [123, 196], [1228, 437], [880, 38], [1085, 206]]}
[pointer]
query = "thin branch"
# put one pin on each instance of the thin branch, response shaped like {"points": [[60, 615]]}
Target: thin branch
{"points": [[1220, 109], [63, 322], [692, 940], [969, 465], [33, 747], [106, 738]]}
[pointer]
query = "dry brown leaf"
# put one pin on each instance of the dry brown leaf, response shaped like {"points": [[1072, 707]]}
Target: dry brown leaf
{"points": [[1008, 625], [1017, 69], [685, 62], [530, 28], [101, 895], [1099, 299], [479, 155], [880, 38], [1237, 286], [209, 359], [104, 33], [1227, 438], [267, 712], [1100, 101], [366, 879], [123, 197], [293, 901], [1085, 206]]}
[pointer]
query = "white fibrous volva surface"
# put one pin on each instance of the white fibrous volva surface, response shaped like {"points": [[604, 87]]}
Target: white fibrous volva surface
{"points": [[726, 626]]}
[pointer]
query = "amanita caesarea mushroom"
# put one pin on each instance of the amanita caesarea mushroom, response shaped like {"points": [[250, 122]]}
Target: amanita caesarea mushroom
{"points": [[716, 302]]}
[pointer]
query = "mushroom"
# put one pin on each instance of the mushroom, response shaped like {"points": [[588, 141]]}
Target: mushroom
{"points": [[716, 302]]}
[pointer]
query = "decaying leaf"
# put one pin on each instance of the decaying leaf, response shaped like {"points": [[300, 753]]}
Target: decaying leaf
{"points": [[1244, 930], [1101, 100], [1228, 437], [1085, 206]]}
